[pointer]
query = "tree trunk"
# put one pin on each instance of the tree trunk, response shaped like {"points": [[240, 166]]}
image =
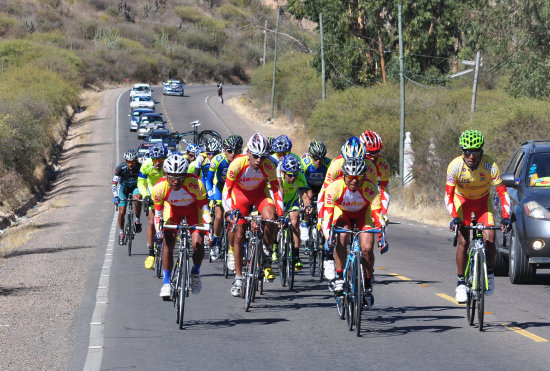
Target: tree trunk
{"points": [[380, 47]]}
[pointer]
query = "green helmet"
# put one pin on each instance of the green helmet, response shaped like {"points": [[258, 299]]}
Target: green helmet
{"points": [[471, 139]]}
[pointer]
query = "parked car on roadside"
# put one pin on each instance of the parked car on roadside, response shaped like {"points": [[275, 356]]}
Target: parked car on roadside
{"points": [[527, 178], [173, 87], [148, 122], [142, 101], [135, 115], [141, 89]]}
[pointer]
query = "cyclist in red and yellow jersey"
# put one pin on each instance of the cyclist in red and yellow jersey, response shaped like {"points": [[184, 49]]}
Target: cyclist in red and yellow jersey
{"points": [[352, 200], [469, 180], [176, 196], [246, 184], [373, 146]]}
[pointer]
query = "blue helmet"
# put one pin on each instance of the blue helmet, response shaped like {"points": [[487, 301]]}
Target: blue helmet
{"points": [[158, 151], [353, 148], [192, 147], [282, 144], [290, 164]]}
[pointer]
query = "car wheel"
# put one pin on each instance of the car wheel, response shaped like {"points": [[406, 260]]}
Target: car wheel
{"points": [[501, 264], [520, 269]]}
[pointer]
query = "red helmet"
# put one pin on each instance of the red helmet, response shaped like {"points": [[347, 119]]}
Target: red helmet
{"points": [[372, 141]]}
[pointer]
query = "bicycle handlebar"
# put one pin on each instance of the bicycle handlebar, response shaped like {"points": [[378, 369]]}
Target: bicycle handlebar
{"points": [[479, 227], [196, 227], [335, 230]]}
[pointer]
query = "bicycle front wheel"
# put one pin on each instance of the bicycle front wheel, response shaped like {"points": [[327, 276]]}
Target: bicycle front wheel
{"points": [[182, 289], [313, 248], [205, 135], [281, 256], [481, 291], [225, 251], [350, 305], [358, 292], [471, 294], [130, 229], [290, 259], [158, 259], [250, 277], [321, 254]]}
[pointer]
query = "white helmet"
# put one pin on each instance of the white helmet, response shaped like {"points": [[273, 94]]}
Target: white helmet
{"points": [[354, 166], [175, 164], [258, 145]]}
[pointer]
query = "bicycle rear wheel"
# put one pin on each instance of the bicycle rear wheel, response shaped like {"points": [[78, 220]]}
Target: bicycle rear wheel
{"points": [[182, 289], [205, 135], [481, 291], [341, 306], [158, 259], [250, 277], [225, 251], [321, 255], [358, 292]]}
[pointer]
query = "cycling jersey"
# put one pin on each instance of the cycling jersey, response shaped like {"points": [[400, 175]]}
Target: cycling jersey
{"points": [[215, 179], [315, 176], [382, 179], [124, 178], [148, 176], [200, 166], [291, 194], [190, 201], [362, 206], [243, 178], [465, 184]]}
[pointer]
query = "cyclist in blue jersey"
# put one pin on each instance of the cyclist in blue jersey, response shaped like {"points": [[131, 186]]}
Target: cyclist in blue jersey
{"points": [[201, 165], [315, 165], [124, 184], [215, 181]]}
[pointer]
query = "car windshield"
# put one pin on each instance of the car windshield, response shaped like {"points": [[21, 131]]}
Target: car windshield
{"points": [[142, 89], [158, 137], [139, 113], [142, 98], [538, 170]]}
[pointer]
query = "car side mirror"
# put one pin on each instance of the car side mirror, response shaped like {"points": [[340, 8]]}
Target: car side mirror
{"points": [[509, 180]]}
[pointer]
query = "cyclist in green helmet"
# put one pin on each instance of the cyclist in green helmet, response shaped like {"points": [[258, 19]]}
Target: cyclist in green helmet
{"points": [[469, 180]]}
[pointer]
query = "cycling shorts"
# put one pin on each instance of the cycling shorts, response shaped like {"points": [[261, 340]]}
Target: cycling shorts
{"points": [[362, 218], [242, 200], [481, 207], [217, 196], [123, 193], [174, 215]]}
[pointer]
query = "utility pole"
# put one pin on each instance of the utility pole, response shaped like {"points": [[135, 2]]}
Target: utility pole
{"points": [[402, 88], [265, 42], [474, 91], [323, 73], [275, 64]]}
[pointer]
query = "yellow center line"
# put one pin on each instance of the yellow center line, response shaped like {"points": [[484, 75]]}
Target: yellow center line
{"points": [[403, 278], [449, 298], [525, 333], [166, 113]]}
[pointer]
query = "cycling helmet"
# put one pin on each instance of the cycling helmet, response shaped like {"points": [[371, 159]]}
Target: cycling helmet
{"points": [[212, 145], [175, 164], [290, 164], [371, 141], [158, 151], [131, 155], [317, 149], [234, 142], [193, 148], [354, 166], [471, 139], [282, 144], [353, 148], [258, 145]]}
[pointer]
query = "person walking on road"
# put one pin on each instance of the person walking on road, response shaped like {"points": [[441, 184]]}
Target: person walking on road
{"points": [[220, 92]]}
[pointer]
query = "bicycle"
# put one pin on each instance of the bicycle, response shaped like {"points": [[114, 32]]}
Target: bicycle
{"points": [[351, 301], [129, 225], [314, 246], [224, 247], [476, 272], [180, 281], [199, 138]]}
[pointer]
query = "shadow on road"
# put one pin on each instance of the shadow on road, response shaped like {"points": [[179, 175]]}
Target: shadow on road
{"points": [[45, 250], [7, 291], [221, 323]]}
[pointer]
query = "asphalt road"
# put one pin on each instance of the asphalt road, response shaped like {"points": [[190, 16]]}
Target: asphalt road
{"points": [[415, 323]]}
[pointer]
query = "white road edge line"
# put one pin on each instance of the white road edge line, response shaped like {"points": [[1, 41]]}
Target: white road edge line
{"points": [[97, 323]]}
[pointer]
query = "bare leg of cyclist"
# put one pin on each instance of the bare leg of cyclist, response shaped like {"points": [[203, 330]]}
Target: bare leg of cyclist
{"points": [[238, 247], [149, 261], [270, 234], [294, 221], [198, 248], [366, 241]]}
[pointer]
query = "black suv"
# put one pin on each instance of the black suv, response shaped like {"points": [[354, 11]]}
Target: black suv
{"points": [[527, 176]]}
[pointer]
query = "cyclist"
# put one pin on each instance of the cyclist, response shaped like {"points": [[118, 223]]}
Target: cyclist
{"points": [[124, 184], [215, 181], [315, 165], [201, 165], [373, 145], [191, 152], [150, 172], [176, 196], [246, 184], [469, 179], [352, 200], [294, 188]]}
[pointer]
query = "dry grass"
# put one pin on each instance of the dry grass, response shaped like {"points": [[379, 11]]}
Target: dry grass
{"points": [[16, 237], [414, 203], [58, 203]]}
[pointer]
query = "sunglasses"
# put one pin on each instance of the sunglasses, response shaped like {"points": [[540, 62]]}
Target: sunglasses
{"points": [[470, 153], [258, 157], [372, 154], [315, 158], [173, 178], [210, 153], [292, 175], [354, 177], [158, 159], [231, 151]]}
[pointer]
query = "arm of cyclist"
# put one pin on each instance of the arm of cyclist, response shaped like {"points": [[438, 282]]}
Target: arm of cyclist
{"points": [[277, 196], [114, 189]]}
